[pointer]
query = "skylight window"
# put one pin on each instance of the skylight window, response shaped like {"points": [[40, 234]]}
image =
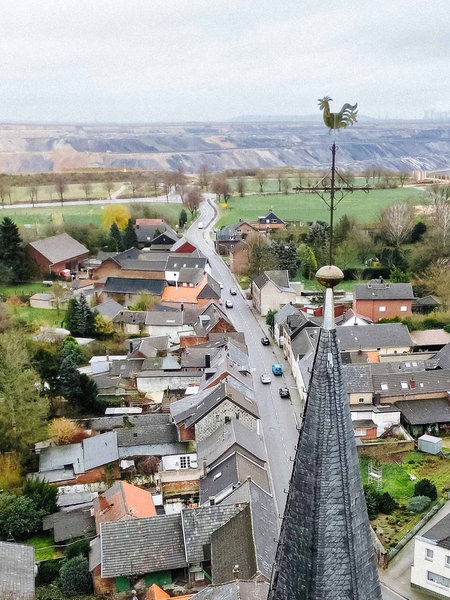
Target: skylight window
{"points": [[384, 386], [404, 385]]}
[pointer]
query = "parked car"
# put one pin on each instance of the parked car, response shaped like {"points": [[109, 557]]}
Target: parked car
{"points": [[265, 341], [233, 291], [284, 392], [277, 369], [200, 224], [228, 304], [266, 378]]}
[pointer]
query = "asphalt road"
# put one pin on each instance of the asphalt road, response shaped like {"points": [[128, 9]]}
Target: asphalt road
{"points": [[279, 427]]}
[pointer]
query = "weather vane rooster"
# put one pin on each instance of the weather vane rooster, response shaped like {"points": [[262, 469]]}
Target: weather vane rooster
{"points": [[345, 117]]}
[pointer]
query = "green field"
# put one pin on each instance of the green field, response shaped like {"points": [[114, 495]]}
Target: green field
{"points": [[363, 207], [47, 193], [38, 218]]}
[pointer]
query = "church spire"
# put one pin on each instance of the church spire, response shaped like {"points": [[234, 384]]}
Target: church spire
{"points": [[325, 551]]}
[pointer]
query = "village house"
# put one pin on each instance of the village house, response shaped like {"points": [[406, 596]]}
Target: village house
{"points": [[430, 570], [381, 300], [271, 290], [57, 253]]}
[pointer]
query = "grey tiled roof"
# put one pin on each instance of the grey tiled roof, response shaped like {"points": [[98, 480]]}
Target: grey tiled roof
{"points": [[440, 533], [67, 525], [120, 285], [371, 337], [285, 311], [100, 450], [161, 449], [407, 384], [132, 317], [138, 436], [230, 472], [227, 436], [199, 524], [16, 571], [279, 278], [358, 378], [235, 590], [216, 396], [59, 248], [264, 522], [376, 290], [443, 357], [109, 423], [109, 308], [175, 262], [140, 546], [425, 412]]}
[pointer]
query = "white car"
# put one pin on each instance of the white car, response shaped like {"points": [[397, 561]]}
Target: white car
{"points": [[200, 224], [266, 378]]}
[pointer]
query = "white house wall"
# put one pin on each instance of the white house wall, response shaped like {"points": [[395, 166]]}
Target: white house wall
{"points": [[437, 564]]}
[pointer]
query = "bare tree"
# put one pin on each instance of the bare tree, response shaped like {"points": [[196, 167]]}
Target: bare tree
{"points": [[109, 185], [285, 184], [203, 177], [221, 187], [261, 178], [191, 199], [33, 191], [60, 186], [397, 222], [403, 177], [241, 183], [86, 187], [440, 197]]}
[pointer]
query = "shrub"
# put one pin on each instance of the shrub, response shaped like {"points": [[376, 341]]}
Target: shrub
{"points": [[424, 487], [418, 504], [49, 592], [76, 548], [48, 571], [386, 503], [19, 516], [372, 501], [43, 494], [75, 577]]}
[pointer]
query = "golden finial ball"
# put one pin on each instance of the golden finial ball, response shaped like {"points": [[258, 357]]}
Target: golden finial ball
{"points": [[329, 276]]}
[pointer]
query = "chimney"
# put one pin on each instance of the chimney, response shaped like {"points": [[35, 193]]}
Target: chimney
{"points": [[207, 361], [212, 500], [236, 571], [412, 384]]}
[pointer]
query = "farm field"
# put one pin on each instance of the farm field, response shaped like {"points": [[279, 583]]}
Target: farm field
{"points": [[363, 207], [47, 193], [39, 217]]}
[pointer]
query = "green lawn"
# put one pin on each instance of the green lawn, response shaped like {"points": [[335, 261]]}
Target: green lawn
{"points": [[307, 207], [33, 318], [43, 546]]}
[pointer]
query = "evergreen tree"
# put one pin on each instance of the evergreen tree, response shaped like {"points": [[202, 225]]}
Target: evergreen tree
{"points": [[69, 378], [287, 257], [182, 220], [116, 238], [46, 364], [71, 347], [69, 318], [424, 487], [23, 412], [74, 577], [88, 392], [84, 317], [129, 236], [12, 255], [43, 494]]}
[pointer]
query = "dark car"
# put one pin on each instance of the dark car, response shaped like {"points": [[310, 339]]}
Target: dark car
{"points": [[284, 392], [265, 341]]}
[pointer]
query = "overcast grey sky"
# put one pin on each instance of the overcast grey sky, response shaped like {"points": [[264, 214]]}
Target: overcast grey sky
{"points": [[183, 60]]}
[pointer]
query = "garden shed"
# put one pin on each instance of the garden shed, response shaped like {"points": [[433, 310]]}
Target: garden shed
{"points": [[430, 444]]}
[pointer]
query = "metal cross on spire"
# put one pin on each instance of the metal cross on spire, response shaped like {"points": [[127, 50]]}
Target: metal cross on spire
{"points": [[333, 186]]}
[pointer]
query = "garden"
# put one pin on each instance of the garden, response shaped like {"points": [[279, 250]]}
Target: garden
{"points": [[410, 484]]}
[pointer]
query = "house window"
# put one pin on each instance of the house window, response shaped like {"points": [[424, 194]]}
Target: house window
{"points": [[185, 462], [360, 432], [382, 308], [403, 308], [438, 579], [429, 554], [447, 561], [360, 400]]}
